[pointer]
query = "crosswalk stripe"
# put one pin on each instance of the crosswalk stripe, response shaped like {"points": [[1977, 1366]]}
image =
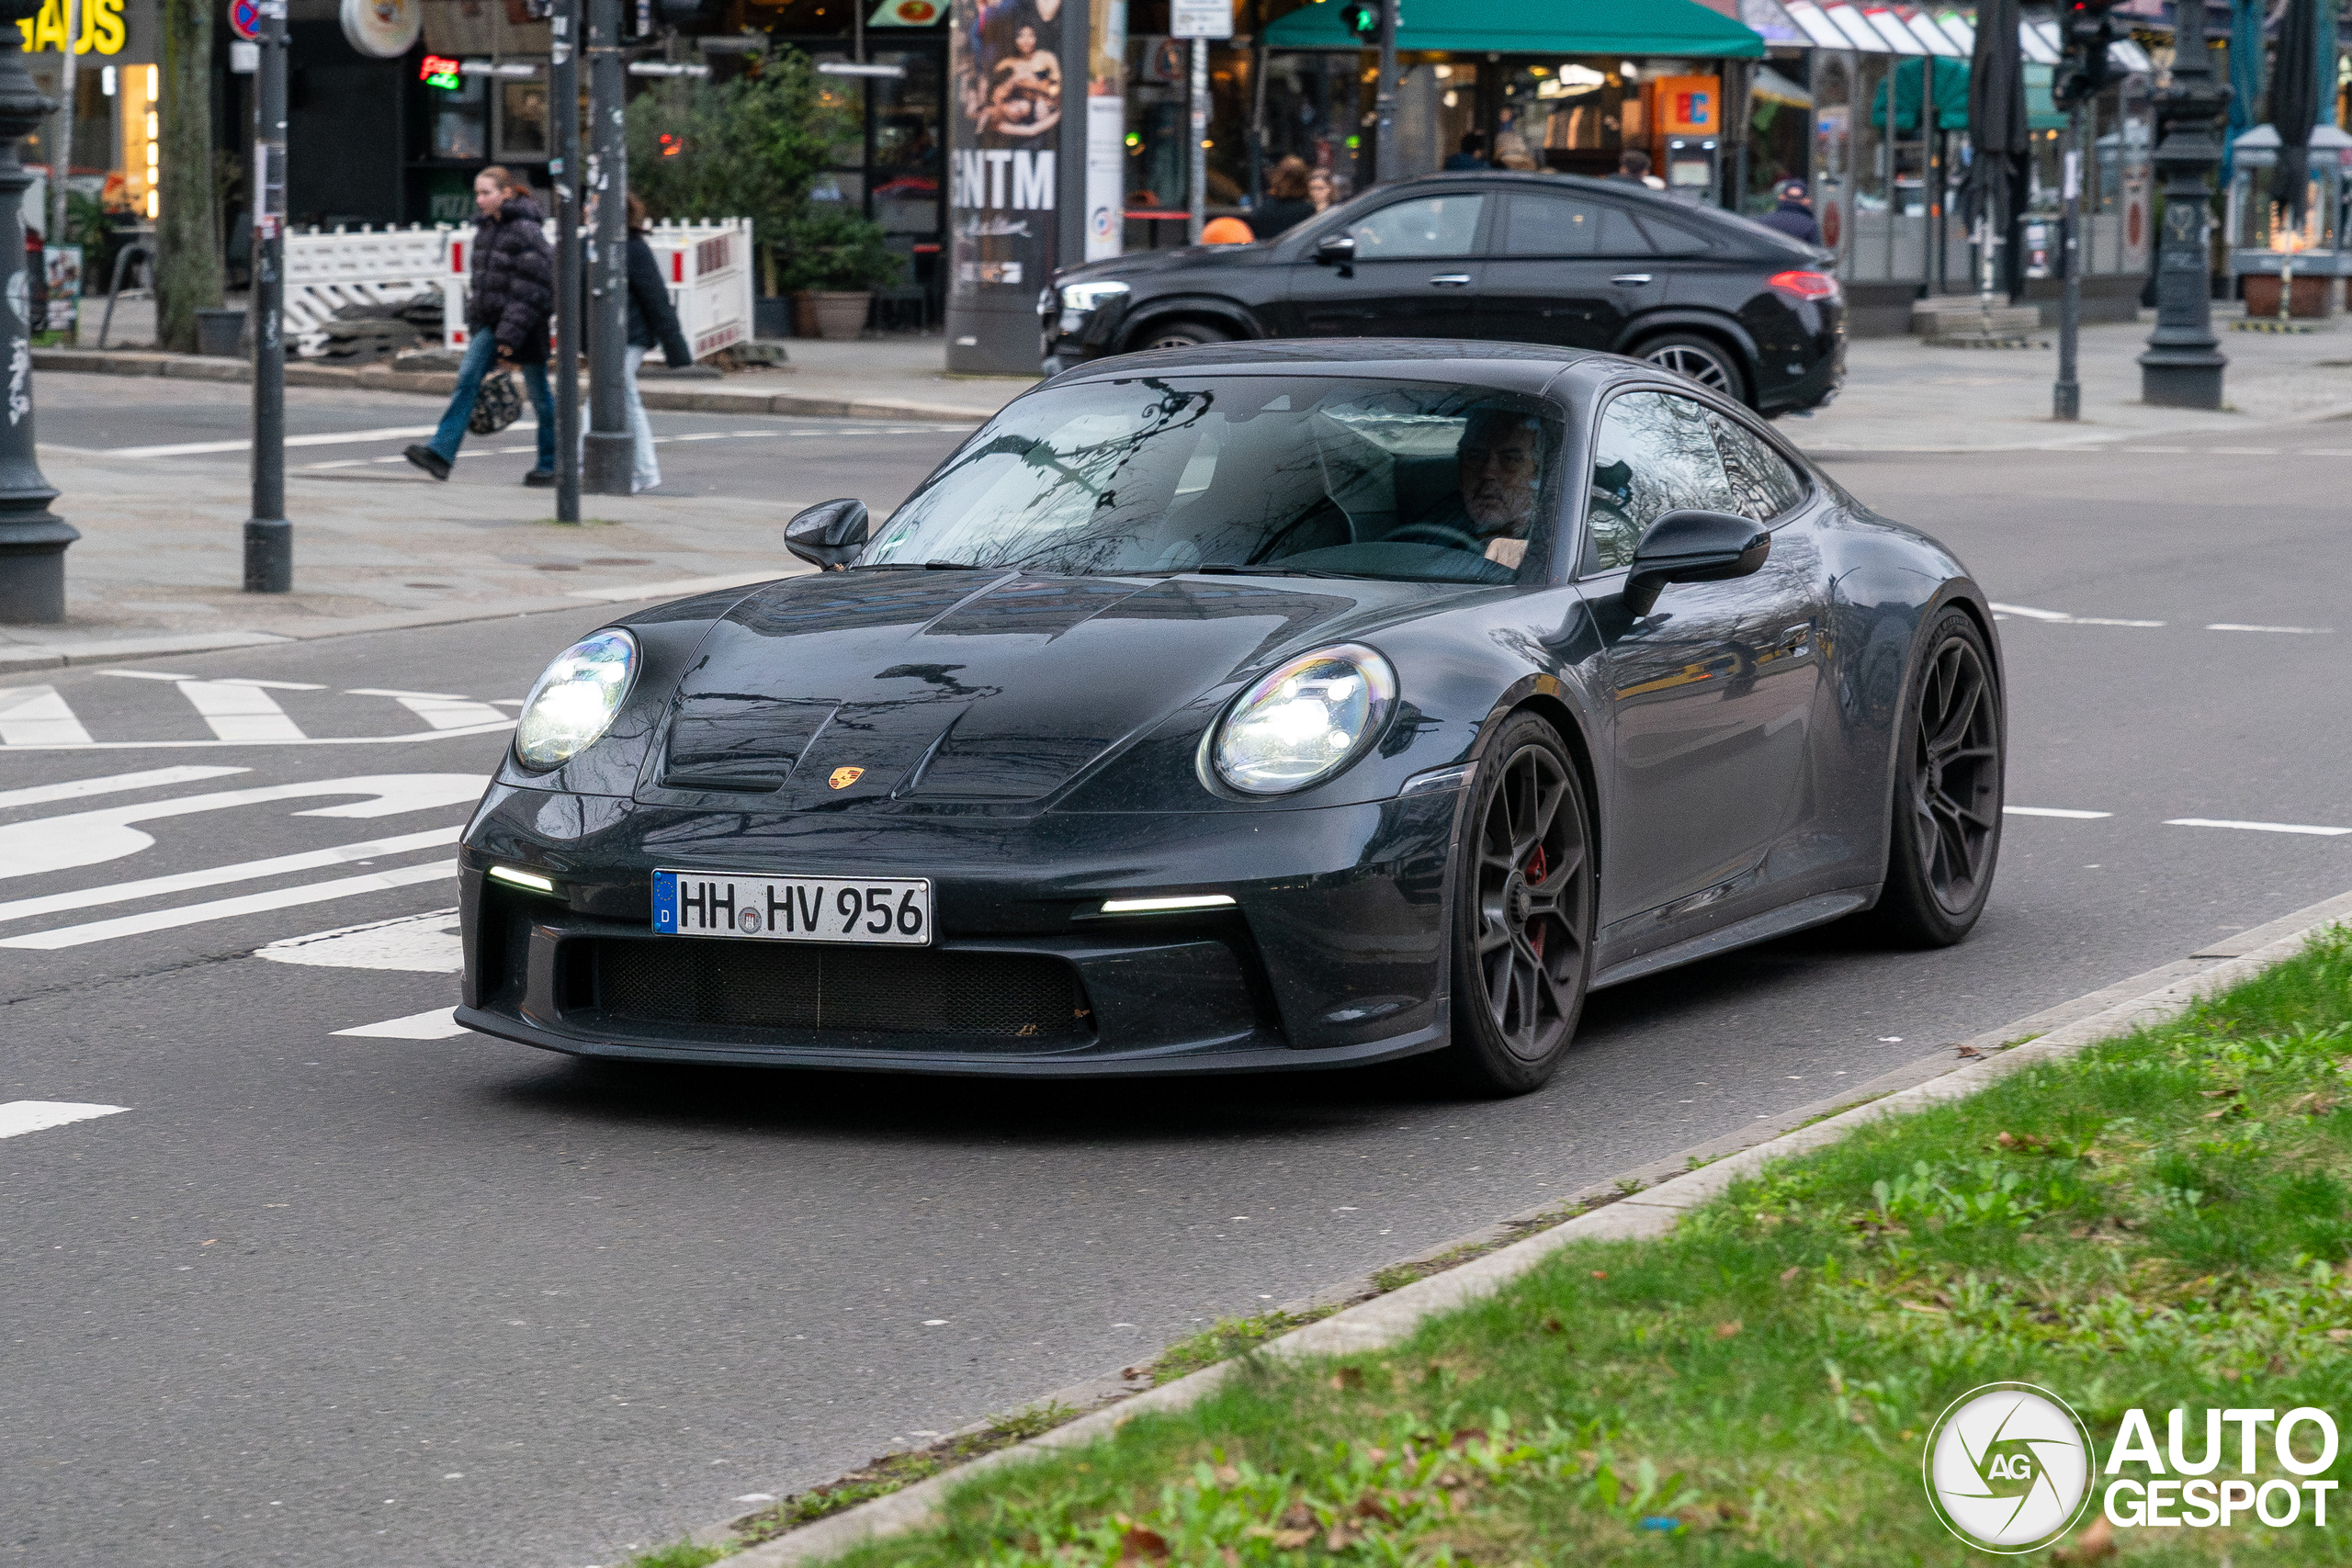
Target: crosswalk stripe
{"points": [[151, 778], [230, 909], [240, 712], [36, 1115], [326, 438], [2256, 826], [418, 944], [441, 1023], [37, 716], [247, 870], [439, 709]]}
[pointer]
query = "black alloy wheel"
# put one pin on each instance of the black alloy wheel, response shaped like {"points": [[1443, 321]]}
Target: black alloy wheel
{"points": [[1181, 334], [1699, 359], [1524, 921], [1947, 827]]}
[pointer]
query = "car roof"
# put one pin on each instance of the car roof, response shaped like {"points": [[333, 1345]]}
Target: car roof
{"points": [[1513, 367], [1728, 227]]}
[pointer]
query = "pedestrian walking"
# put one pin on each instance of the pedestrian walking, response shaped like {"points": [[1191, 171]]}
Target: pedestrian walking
{"points": [[1286, 204], [1793, 216], [1633, 169], [653, 323], [507, 311]]}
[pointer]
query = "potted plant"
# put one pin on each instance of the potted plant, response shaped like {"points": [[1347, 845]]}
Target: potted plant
{"points": [[834, 260]]}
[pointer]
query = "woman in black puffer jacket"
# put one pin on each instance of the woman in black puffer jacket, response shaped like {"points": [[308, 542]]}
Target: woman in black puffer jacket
{"points": [[507, 312]]}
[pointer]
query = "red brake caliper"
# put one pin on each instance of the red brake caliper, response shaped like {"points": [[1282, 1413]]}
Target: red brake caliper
{"points": [[1535, 867]]}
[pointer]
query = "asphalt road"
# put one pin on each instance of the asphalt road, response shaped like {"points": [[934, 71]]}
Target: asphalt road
{"points": [[318, 1298]]}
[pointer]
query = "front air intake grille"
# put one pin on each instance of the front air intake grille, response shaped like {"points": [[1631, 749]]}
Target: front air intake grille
{"points": [[1017, 1000]]}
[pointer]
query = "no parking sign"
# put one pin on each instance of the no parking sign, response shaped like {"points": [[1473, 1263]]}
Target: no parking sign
{"points": [[244, 19]]}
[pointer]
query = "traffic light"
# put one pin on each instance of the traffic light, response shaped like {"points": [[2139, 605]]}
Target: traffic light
{"points": [[1364, 17], [2087, 31]]}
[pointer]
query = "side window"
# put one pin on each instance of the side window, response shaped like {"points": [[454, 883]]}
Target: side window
{"points": [[1652, 455], [1561, 226], [1672, 238], [1761, 479], [1433, 226]]}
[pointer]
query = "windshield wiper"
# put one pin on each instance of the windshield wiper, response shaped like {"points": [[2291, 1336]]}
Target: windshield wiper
{"points": [[923, 566], [1226, 569]]}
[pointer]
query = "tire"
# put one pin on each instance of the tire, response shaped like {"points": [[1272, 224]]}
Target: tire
{"points": [[1700, 359], [1946, 834], [1523, 949], [1180, 334]]}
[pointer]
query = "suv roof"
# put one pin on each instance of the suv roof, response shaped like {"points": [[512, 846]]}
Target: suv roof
{"points": [[1521, 364]]}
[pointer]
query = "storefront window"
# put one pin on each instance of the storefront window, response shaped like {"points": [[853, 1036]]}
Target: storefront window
{"points": [[522, 122], [461, 120], [907, 136]]}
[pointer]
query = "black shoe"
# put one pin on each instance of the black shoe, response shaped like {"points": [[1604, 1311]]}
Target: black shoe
{"points": [[540, 478], [432, 462]]}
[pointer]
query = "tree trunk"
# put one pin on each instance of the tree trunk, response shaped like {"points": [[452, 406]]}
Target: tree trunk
{"points": [[187, 262]]}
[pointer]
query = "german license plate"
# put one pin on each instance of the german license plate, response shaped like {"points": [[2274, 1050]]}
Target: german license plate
{"points": [[892, 910]]}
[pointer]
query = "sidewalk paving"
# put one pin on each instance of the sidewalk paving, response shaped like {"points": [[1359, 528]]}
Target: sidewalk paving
{"points": [[159, 569]]}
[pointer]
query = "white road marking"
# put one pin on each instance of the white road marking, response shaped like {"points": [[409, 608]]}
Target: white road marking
{"points": [[329, 438], [148, 675], [401, 739], [2256, 827], [419, 944], [240, 712], [442, 710], [215, 876], [230, 909], [85, 838], [2061, 618], [153, 778], [36, 1115], [271, 685], [37, 716], [2244, 451], [2241, 626], [441, 1023], [2052, 811]]}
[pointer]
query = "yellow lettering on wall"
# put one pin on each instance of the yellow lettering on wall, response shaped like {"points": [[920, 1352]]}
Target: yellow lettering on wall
{"points": [[102, 27]]}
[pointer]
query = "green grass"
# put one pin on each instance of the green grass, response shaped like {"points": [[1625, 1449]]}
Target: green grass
{"points": [[2163, 1220], [679, 1554], [892, 1473]]}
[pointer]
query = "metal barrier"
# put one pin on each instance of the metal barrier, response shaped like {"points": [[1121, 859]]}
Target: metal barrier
{"points": [[707, 265]]}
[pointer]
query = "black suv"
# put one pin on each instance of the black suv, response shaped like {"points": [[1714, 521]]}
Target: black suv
{"points": [[1518, 258]]}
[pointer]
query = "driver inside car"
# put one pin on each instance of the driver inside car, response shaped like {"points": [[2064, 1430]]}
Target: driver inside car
{"points": [[1499, 466]]}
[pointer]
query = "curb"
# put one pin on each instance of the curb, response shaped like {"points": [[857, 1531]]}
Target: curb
{"points": [[441, 383], [2049, 1035]]}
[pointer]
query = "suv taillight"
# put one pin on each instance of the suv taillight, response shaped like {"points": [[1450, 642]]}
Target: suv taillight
{"points": [[1806, 285]]}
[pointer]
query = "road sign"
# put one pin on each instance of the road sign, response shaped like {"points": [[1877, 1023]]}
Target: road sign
{"points": [[1200, 18], [244, 19]]}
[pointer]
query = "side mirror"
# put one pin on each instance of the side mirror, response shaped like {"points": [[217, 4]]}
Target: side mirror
{"points": [[1336, 250], [829, 535], [1694, 546]]}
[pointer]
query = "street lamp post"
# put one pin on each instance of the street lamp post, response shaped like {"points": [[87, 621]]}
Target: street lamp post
{"points": [[2183, 365], [269, 537], [563, 170], [611, 460], [32, 539]]}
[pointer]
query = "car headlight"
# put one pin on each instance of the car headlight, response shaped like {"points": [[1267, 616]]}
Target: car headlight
{"points": [[577, 699], [1090, 295], [1305, 721]]}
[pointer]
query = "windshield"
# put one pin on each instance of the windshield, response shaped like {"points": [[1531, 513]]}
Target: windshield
{"points": [[1315, 476]]}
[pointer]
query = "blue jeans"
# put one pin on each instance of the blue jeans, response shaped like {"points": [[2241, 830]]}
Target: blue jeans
{"points": [[481, 355]]}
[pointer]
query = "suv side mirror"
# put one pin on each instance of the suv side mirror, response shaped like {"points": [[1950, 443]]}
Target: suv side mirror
{"points": [[1694, 546], [1336, 250], [829, 535]]}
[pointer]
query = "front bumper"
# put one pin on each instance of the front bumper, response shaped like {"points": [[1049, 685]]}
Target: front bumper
{"points": [[1332, 956]]}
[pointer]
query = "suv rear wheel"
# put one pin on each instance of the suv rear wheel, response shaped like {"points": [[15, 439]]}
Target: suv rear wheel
{"points": [[1701, 359]]}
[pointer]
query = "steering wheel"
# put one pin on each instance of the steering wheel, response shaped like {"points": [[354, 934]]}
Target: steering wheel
{"points": [[1436, 533]]}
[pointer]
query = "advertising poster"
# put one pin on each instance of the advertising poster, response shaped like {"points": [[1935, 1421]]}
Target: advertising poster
{"points": [[1005, 66], [1106, 129]]}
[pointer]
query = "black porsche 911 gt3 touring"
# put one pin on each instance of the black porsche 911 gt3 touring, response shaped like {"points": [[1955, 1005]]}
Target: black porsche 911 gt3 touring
{"points": [[1257, 706]]}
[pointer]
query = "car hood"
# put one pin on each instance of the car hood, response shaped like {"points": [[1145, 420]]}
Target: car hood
{"points": [[846, 687]]}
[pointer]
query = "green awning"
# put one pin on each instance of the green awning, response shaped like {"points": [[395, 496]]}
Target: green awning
{"points": [[1534, 26]]}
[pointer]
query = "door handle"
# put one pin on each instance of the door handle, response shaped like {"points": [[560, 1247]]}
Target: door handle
{"points": [[1630, 277], [1796, 641], [1450, 280]]}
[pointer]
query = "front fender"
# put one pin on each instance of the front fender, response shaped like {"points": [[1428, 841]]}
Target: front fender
{"points": [[1143, 315]]}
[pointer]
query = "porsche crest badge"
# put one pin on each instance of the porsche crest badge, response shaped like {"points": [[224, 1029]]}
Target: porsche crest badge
{"points": [[844, 777]]}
